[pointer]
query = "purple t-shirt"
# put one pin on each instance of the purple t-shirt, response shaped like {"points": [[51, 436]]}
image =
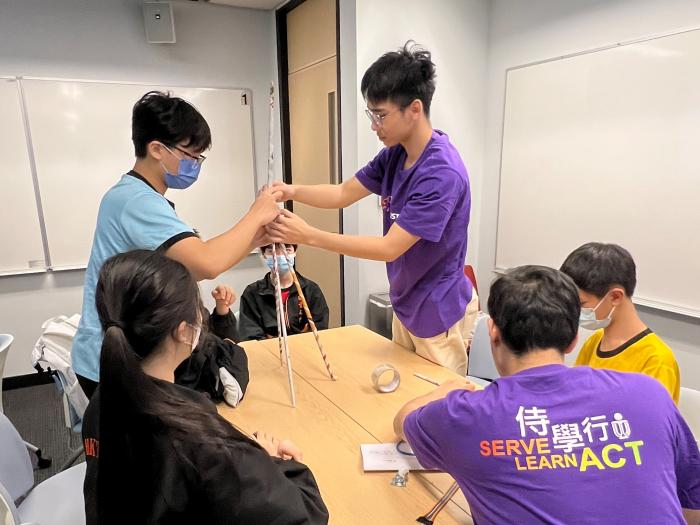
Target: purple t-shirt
{"points": [[559, 445], [431, 200]]}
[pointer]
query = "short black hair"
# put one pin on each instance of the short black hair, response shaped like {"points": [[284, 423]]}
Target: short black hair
{"points": [[401, 77], [263, 248], [596, 267], [170, 120], [535, 307]]}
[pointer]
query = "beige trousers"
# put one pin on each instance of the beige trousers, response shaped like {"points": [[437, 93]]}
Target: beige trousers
{"points": [[448, 349]]}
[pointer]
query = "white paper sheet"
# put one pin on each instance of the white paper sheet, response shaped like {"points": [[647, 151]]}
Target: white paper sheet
{"points": [[385, 456]]}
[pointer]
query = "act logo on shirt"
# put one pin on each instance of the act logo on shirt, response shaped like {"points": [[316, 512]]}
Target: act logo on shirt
{"points": [[386, 207], [563, 445]]}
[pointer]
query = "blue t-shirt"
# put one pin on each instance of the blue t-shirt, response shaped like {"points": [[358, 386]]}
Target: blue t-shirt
{"points": [[132, 216], [558, 445], [432, 200]]}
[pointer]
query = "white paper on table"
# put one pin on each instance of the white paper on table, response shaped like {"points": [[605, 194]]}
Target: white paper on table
{"points": [[384, 456]]}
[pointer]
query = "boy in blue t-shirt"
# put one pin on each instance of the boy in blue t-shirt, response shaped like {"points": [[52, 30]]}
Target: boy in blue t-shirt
{"points": [[169, 136]]}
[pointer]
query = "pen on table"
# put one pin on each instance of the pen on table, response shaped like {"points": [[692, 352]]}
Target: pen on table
{"points": [[424, 378]]}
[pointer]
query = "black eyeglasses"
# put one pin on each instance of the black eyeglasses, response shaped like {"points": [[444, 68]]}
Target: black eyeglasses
{"points": [[376, 118], [198, 159]]}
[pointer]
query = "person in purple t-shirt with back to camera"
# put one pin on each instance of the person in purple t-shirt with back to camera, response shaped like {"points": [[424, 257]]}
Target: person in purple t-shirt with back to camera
{"points": [[426, 201], [549, 444]]}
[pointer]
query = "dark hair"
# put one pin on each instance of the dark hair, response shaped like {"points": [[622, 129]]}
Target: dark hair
{"points": [[535, 307], [167, 119], [263, 248], [142, 297], [596, 267], [401, 77]]}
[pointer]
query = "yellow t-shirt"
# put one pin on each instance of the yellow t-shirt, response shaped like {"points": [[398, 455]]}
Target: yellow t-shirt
{"points": [[645, 353]]}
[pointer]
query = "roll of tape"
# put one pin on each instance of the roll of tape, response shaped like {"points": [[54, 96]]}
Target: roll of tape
{"points": [[383, 371]]}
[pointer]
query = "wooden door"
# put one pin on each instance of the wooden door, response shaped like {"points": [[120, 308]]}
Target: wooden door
{"points": [[313, 123]]}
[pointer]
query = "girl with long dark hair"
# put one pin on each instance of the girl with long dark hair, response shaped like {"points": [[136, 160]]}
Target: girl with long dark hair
{"points": [[158, 452]]}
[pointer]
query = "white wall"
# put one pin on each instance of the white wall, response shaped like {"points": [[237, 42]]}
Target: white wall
{"points": [[523, 32], [456, 32], [105, 40], [473, 42]]}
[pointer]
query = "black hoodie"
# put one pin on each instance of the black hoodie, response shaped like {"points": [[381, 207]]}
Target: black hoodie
{"points": [[258, 315], [216, 350]]}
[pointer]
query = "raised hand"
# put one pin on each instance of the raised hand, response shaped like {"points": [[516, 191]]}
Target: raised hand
{"points": [[224, 296]]}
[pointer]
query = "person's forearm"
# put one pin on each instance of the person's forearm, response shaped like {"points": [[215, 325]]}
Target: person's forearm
{"points": [[224, 251], [232, 246], [223, 325], [412, 405], [320, 195], [362, 247]]}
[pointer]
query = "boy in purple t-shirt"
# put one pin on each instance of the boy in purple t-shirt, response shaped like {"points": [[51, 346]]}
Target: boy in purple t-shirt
{"points": [[550, 444], [426, 202]]}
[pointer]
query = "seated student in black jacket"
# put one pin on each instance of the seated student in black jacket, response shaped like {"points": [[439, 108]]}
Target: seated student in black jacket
{"points": [[157, 452], [218, 367], [258, 314]]}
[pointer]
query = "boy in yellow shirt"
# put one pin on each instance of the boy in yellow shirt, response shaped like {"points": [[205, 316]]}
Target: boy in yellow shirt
{"points": [[606, 277]]}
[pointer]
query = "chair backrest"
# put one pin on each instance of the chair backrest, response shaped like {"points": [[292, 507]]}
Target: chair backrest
{"points": [[8, 510], [57, 501], [689, 406], [16, 473], [5, 343], [481, 363]]}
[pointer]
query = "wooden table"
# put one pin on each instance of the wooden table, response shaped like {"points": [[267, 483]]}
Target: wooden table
{"points": [[333, 418]]}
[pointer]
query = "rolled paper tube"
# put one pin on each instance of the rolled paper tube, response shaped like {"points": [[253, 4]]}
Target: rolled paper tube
{"points": [[279, 325], [283, 324], [271, 149], [312, 324], [277, 312], [281, 321]]}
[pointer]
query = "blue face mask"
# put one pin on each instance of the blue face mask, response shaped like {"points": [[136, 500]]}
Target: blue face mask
{"points": [[281, 262], [187, 173]]}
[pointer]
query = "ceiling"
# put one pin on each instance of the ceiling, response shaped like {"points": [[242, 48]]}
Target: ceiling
{"points": [[251, 4]]}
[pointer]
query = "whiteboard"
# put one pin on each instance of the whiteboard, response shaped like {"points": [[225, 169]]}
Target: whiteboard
{"points": [[20, 236], [605, 146], [81, 135]]}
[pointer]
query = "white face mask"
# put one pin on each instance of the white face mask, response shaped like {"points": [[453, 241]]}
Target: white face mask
{"points": [[589, 321]]}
